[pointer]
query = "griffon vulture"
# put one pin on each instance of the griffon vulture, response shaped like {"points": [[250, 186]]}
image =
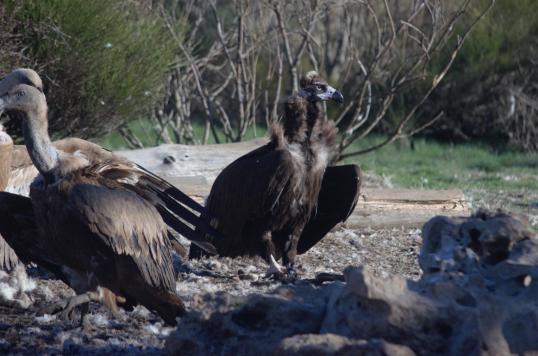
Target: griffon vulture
{"points": [[102, 223], [174, 206], [281, 199]]}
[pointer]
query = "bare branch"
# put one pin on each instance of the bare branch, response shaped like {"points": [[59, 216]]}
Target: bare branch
{"points": [[436, 80]]}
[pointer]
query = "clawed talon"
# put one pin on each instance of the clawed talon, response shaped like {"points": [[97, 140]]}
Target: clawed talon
{"points": [[280, 273], [62, 309], [275, 269]]}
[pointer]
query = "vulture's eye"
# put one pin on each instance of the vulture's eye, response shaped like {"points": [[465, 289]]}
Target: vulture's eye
{"points": [[320, 87], [21, 93]]}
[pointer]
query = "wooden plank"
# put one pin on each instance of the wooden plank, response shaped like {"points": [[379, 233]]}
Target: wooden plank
{"points": [[197, 187], [422, 196], [410, 210]]}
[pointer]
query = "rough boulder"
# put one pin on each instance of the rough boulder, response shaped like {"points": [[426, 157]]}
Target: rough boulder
{"points": [[477, 295]]}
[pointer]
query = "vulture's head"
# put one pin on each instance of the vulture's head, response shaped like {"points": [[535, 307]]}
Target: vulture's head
{"points": [[22, 98], [314, 88], [22, 90], [21, 76]]}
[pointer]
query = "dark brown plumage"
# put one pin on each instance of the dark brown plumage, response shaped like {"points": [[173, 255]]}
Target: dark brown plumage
{"points": [[120, 238], [337, 199], [263, 200], [102, 223]]}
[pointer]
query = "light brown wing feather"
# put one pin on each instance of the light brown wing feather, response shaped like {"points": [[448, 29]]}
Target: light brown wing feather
{"points": [[8, 257], [5, 160], [109, 222], [165, 197], [129, 226], [23, 172]]}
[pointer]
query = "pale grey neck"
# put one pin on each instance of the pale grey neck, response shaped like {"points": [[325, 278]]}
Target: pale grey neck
{"points": [[40, 148]]}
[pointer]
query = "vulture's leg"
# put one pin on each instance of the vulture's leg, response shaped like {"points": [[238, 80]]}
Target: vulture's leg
{"points": [[66, 308], [275, 269], [290, 252]]}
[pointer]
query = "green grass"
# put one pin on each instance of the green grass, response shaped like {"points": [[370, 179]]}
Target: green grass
{"points": [[441, 166], [142, 129]]}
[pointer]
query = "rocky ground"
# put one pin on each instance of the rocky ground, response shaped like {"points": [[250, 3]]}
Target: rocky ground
{"points": [[387, 252]]}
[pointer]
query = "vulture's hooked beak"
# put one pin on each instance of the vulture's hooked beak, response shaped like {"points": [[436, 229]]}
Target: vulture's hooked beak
{"points": [[331, 94], [338, 97]]}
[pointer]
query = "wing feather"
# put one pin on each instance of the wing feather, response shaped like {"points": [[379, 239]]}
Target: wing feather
{"points": [[129, 226], [247, 189], [337, 199], [8, 257], [177, 209]]}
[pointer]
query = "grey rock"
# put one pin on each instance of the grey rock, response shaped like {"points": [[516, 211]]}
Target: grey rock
{"points": [[399, 312], [477, 296], [249, 325]]}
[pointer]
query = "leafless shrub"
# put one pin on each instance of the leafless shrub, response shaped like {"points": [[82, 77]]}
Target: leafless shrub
{"points": [[239, 55], [10, 41], [518, 112], [521, 118]]}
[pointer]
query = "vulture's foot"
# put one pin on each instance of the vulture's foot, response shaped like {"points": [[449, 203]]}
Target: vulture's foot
{"points": [[67, 309], [275, 269], [280, 273]]}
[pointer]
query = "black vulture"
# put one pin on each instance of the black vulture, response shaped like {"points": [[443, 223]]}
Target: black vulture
{"points": [[281, 199]]}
